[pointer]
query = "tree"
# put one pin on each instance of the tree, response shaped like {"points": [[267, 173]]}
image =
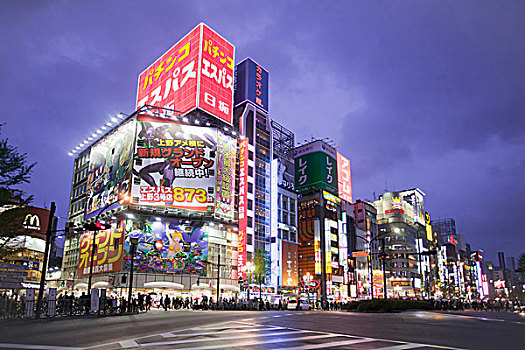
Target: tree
{"points": [[14, 171], [521, 264], [262, 263]]}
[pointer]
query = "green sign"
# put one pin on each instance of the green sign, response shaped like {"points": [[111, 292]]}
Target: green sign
{"points": [[315, 171]]}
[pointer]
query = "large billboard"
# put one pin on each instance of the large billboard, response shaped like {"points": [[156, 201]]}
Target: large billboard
{"points": [[196, 72], [243, 205], [316, 167], [175, 165], [344, 178], [109, 176], [252, 84], [226, 156], [316, 170], [108, 253], [183, 246]]}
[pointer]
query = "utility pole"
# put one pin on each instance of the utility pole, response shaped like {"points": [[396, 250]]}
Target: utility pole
{"points": [[133, 247], [384, 272], [218, 276], [49, 233]]}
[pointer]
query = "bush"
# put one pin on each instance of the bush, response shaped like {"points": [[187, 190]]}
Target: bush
{"points": [[386, 305]]}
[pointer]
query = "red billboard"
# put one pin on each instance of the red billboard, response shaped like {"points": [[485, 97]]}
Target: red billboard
{"points": [[344, 178], [197, 72], [216, 78], [108, 252], [243, 205]]}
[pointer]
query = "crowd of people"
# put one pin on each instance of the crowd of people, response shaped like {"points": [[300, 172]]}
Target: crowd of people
{"points": [[475, 305]]}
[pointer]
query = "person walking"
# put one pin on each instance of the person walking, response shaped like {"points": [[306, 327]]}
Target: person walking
{"points": [[166, 303]]}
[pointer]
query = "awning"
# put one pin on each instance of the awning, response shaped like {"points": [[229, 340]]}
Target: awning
{"points": [[230, 288], [163, 284], [100, 284], [81, 286]]}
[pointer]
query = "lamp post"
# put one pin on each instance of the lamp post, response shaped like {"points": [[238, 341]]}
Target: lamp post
{"points": [[132, 247], [307, 279], [370, 272], [249, 267]]}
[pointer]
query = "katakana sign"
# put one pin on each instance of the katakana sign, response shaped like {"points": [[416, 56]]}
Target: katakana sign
{"points": [[108, 252], [226, 155], [316, 170], [176, 165], [196, 72]]}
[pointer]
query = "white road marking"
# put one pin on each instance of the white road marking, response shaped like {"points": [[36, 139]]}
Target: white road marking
{"points": [[223, 338], [329, 344], [36, 347], [171, 335], [402, 347], [130, 343]]}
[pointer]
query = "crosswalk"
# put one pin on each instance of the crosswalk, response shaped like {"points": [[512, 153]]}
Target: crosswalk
{"points": [[248, 335]]}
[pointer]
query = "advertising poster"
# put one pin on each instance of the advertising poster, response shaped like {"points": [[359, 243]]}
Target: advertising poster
{"points": [[290, 274], [109, 174], [171, 81], [184, 247], [226, 155], [344, 178], [243, 205], [252, 84], [217, 72], [378, 283], [108, 252], [316, 168], [176, 166]]}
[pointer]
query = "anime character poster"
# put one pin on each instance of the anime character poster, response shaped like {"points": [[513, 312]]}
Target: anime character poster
{"points": [[175, 165], [184, 247], [109, 174]]}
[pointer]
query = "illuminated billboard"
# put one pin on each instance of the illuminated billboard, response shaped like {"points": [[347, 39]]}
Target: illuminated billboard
{"points": [[243, 205], [110, 168], [175, 165], [196, 72], [316, 167], [290, 274], [252, 84], [344, 178], [183, 246], [108, 252], [226, 156]]}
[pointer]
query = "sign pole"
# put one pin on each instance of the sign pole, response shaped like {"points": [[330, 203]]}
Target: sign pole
{"points": [[44, 264]]}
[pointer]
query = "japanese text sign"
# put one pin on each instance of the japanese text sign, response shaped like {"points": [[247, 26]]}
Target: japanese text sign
{"points": [[252, 84], [344, 178], [108, 252], [243, 204], [197, 72], [226, 155], [177, 167], [316, 170]]}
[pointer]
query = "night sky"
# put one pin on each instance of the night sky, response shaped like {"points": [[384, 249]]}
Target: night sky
{"points": [[418, 93]]}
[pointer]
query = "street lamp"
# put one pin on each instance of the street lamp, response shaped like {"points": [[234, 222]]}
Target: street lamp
{"points": [[307, 279], [133, 248]]}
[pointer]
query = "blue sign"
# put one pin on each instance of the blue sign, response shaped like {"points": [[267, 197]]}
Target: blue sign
{"points": [[252, 84]]}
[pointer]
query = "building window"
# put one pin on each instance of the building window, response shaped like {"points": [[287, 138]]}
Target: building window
{"points": [[285, 202], [250, 221], [250, 171], [292, 204], [250, 204], [250, 187], [292, 220]]}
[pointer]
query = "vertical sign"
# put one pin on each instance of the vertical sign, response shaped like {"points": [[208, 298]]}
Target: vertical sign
{"points": [[275, 253], [243, 205], [226, 155], [344, 179], [216, 75], [252, 84]]}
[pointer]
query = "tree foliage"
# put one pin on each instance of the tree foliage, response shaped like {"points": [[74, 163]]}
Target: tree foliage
{"points": [[14, 171], [262, 263]]}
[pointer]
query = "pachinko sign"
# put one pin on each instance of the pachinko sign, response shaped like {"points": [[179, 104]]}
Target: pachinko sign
{"points": [[108, 252], [226, 155], [197, 72], [344, 179], [176, 165], [167, 246], [243, 205]]}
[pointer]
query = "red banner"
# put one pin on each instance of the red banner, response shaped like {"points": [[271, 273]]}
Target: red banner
{"points": [[108, 253], [243, 205]]}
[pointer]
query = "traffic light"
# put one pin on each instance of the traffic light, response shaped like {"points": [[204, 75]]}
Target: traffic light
{"points": [[97, 226]]}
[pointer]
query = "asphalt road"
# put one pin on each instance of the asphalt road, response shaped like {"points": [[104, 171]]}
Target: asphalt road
{"points": [[271, 330]]}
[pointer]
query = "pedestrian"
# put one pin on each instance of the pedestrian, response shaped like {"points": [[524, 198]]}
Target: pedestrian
{"points": [[166, 303], [148, 302]]}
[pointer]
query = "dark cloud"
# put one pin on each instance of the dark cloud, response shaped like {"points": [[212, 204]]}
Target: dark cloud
{"points": [[425, 94]]}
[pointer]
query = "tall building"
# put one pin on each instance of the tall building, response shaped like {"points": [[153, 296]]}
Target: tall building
{"points": [[164, 177], [323, 182]]}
